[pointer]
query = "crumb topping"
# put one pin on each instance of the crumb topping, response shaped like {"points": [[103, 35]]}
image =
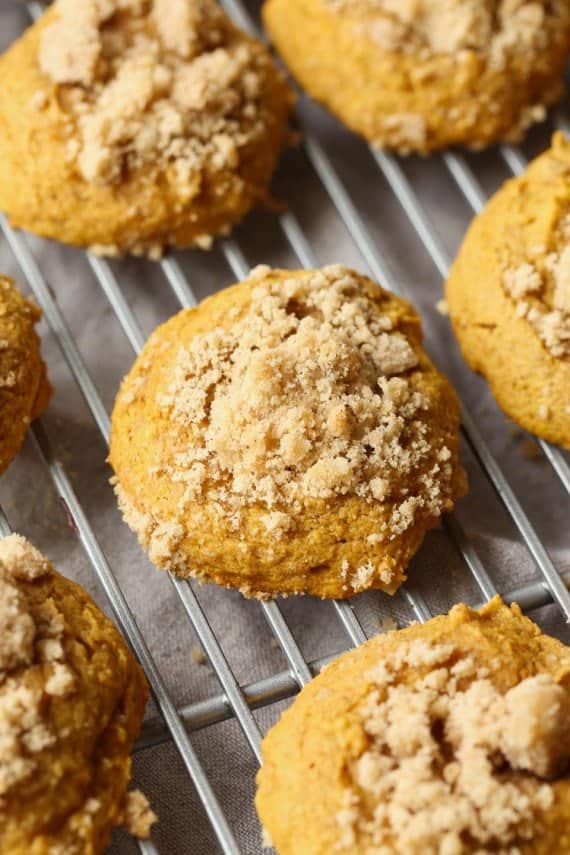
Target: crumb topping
{"points": [[452, 764], [305, 396], [147, 81], [20, 559], [540, 289], [495, 29], [138, 816], [29, 638]]}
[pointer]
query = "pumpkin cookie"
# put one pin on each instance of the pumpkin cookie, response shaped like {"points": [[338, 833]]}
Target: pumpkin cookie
{"points": [[508, 295], [72, 699], [24, 387], [289, 435], [443, 739], [132, 125], [418, 75]]}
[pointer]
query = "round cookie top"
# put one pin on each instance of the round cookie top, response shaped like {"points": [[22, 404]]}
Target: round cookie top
{"points": [[443, 739], [155, 109], [24, 388], [275, 415], [71, 701], [419, 75], [508, 294]]}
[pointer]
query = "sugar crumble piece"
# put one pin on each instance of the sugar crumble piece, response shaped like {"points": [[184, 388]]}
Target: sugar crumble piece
{"points": [[522, 280], [138, 816], [21, 560], [442, 308], [536, 733], [540, 290], [197, 655], [434, 757], [406, 131], [17, 629]]}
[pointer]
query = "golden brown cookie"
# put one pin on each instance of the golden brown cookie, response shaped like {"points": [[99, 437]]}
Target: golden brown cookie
{"points": [[418, 75], [132, 125], [508, 295], [72, 698], [289, 435], [443, 739], [24, 387]]}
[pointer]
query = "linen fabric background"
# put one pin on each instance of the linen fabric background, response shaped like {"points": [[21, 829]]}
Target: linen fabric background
{"points": [[438, 572]]}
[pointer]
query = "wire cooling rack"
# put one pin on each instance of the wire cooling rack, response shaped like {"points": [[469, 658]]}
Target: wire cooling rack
{"points": [[401, 184]]}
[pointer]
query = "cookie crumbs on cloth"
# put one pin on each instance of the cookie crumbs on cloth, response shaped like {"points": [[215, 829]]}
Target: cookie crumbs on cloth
{"points": [[540, 289], [305, 397], [450, 758], [494, 28], [153, 81]]}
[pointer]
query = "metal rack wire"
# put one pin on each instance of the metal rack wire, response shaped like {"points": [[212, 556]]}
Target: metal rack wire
{"points": [[235, 700]]}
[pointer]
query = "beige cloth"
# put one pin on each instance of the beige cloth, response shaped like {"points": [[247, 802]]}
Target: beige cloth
{"points": [[28, 497]]}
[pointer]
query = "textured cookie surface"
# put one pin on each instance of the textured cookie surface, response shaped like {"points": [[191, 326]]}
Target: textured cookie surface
{"points": [[289, 435], [450, 737], [72, 699], [24, 388], [131, 125], [417, 75], [508, 295]]}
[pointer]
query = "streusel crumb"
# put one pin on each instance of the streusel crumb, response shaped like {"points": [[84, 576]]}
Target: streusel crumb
{"points": [[138, 816]]}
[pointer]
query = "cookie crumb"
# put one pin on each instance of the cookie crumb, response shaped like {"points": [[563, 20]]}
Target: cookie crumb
{"points": [[388, 624], [138, 816], [197, 655], [442, 307], [22, 560]]}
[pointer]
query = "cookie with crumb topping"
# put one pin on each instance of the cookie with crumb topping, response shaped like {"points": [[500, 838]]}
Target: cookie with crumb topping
{"points": [[288, 435], [419, 75], [508, 295], [135, 125], [72, 698], [24, 387], [448, 738]]}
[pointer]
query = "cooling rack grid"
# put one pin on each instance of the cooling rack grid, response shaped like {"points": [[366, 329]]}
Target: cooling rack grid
{"points": [[398, 220]]}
